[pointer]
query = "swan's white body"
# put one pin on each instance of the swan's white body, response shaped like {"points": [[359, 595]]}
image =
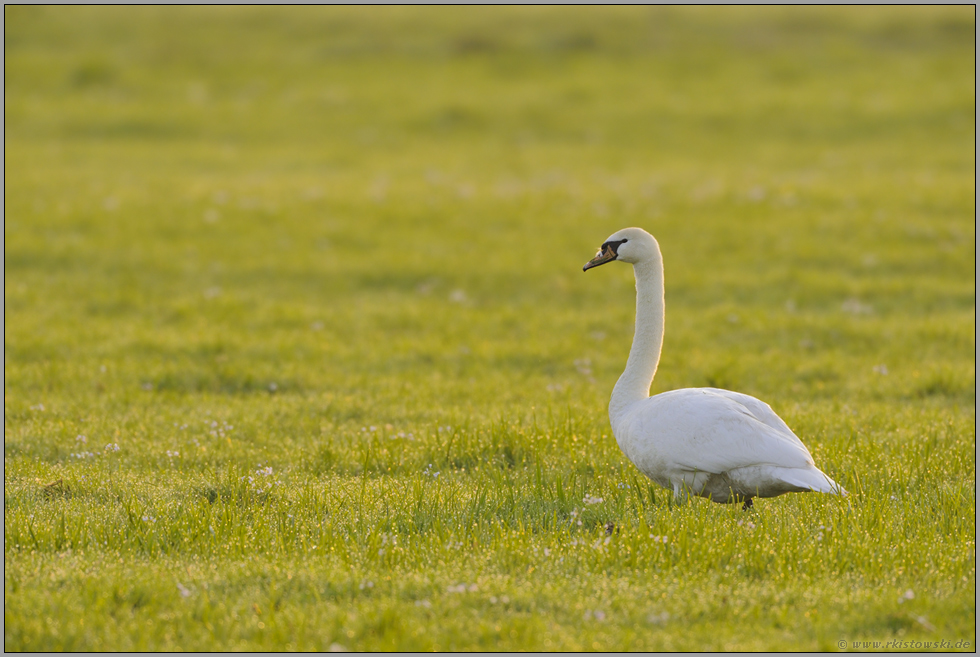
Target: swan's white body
{"points": [[703, 441]]}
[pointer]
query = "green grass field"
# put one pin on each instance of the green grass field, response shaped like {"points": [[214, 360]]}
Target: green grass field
{"points": [[299, 355]]}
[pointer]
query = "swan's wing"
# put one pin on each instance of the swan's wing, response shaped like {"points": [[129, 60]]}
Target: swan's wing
{"points": [[760, 410], [699, 429], [810, 478]]}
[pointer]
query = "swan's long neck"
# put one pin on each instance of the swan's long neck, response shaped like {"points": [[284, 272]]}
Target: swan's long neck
{"points": [[648, 338]]}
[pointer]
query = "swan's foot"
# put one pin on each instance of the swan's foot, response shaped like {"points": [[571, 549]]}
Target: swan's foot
{"points": [[747, 504]]}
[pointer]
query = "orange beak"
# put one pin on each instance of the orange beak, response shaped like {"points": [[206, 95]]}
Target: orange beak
{"points": [[601, 258]]}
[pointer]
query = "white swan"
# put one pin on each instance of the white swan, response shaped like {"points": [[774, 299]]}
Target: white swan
{"points": [[714, 443]]}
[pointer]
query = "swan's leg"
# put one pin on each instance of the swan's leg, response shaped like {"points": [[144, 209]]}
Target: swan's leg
{"points": [[747, 504], [681, 494], [698, 483], [688, 485]]}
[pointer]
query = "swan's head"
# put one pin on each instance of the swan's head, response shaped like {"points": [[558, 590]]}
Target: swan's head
{"points": [[630, 245]]}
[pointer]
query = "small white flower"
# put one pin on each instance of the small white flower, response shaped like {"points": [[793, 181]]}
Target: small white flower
{"points": [[112, 447], [184, 591], [854, 306], [924, 622]]}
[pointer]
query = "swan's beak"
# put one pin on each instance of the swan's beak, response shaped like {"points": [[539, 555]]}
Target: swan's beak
{"points": [[606, 254]]}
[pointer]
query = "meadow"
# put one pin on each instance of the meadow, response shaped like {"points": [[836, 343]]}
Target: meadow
{"points": [[299, 354]]}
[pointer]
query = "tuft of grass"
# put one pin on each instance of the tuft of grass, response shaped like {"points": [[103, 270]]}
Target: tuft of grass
{"points": [[298, 354]]}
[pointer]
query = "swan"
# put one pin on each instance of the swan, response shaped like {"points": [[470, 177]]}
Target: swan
{"points": [[723, 445]]}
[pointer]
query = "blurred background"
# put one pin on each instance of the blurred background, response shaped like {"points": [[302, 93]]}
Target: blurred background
{"points": [[284, 283], [393, 204]]}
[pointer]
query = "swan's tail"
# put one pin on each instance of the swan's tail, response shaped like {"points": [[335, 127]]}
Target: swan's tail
{"points": [[813, 479]]}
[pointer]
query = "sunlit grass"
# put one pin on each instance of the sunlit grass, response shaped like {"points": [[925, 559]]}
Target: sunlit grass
{"points": [[298, 353]]}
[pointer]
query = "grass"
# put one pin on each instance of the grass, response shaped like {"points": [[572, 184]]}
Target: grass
{"points": [[298, 353]]}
